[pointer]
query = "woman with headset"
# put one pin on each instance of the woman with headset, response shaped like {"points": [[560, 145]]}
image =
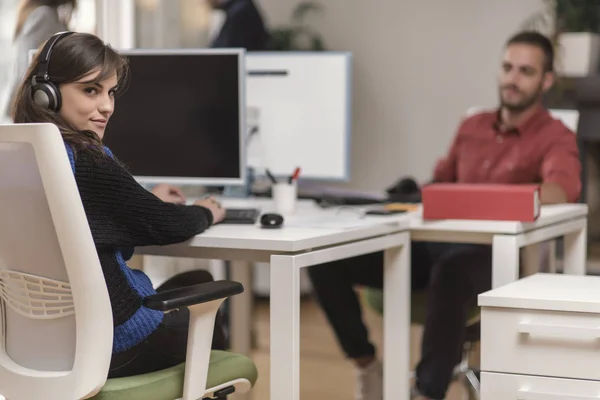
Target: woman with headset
{"points": [[72, 83], [37, 20]]}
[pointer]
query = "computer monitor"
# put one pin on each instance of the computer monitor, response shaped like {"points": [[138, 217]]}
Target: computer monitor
{"points": [[181, 118], [299, 113]]}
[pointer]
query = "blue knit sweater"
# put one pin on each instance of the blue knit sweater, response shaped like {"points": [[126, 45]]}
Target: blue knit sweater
{"points": [[122, 215]]}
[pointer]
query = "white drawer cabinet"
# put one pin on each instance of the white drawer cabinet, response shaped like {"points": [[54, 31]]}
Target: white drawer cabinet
{"points": [[540, 339], [549, 343], [495, 386]]}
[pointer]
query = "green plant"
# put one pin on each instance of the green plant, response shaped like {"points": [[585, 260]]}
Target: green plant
{"points": [[578, 16], [298, 36], [561, 16]]}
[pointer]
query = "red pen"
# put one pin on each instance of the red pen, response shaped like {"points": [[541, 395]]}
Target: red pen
{"points": [[294, 176]]}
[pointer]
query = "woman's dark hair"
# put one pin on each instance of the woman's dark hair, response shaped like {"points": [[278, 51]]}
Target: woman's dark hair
{"points": [[27, 6], [72, 58]]}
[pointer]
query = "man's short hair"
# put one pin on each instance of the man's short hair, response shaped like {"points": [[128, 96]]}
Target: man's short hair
{"points": [[538, 40]]}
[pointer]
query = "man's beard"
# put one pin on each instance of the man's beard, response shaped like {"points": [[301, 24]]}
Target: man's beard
{"points": [[524, 104]]}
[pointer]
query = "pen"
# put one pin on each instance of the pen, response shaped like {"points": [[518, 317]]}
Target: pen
{"points": [[271, 177], [294, 176]]}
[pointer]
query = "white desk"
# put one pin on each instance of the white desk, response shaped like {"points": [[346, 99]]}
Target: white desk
{"points": [[313, 236], [507, 238]]}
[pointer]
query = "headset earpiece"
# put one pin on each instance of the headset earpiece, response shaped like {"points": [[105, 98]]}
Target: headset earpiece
{"points": [[45, 93]]}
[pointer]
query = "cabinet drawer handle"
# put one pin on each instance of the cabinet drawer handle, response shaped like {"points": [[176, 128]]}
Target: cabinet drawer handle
{"points": [[566, 331], [529, 395]]}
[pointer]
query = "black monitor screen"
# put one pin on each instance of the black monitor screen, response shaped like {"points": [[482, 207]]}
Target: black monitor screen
{"points": [[179, 117]]}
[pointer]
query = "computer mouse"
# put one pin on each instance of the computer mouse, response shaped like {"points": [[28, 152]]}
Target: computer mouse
{"points": [[271, 220]]}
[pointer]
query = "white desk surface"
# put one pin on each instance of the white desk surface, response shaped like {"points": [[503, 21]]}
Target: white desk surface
{"points": [[552, 292], [313, 227], [551, 214], [309, 228]]}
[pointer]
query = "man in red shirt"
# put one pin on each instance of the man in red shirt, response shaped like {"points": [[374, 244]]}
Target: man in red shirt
{"points": [[520, 142], [517, 143]]}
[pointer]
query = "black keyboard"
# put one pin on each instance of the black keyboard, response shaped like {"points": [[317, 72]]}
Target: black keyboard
{"points": [[241, 216]]}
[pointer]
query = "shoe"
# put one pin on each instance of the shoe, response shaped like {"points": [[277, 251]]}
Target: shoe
{"points": [[370, 382], [416, 395]]}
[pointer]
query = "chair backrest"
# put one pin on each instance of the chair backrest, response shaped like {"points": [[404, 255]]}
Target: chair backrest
{"points": [[56, 336], [568, 117], [474, 110]]}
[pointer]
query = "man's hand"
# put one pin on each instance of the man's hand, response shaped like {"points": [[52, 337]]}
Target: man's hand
{"points": [[552, 193], [214, 206], [168, 193]]}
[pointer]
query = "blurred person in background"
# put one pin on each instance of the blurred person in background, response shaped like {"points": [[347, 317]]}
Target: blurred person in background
{"points": [[243, 26], [37, 20]]}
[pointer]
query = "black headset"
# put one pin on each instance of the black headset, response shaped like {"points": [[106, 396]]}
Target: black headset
{"points": [[44, 92]]}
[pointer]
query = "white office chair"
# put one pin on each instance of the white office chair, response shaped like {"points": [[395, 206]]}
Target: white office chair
{"points": [[568, 117], [571, 120], [57, 328]]}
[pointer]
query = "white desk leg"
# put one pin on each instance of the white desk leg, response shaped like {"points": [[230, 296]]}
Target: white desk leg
{"points": [[217, 269], [575, 254], [505, 260], [285, 328], [241, 327], [396, 322]]}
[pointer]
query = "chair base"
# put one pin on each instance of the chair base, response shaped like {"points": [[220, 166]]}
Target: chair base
{"points": [[471, 383], [222, 391], [468, 376]]}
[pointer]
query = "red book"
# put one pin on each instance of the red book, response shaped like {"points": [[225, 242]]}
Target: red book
{"points": [[481, 201]]}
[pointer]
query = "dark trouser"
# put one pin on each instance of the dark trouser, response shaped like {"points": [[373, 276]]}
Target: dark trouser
{"points": [[166, 347], [455, 274]]}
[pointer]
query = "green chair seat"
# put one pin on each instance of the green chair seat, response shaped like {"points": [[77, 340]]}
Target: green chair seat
{"points": [[168, 384], [418, 305]]}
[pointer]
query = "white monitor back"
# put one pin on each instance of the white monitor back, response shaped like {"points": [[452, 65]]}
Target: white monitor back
{"points": [[300, 103]]}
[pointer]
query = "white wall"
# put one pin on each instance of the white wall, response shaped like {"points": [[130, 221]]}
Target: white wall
{"points": [[8, 15], [418, 65]]}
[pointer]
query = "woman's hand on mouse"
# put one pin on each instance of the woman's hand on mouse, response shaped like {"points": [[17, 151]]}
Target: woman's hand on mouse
{"points": [[218, 212]]}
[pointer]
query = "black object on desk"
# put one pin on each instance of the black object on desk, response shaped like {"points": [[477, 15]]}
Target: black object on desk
{"points": [[336, 201], [405, 190], [383, 211], [242, 216], [271, 220]]}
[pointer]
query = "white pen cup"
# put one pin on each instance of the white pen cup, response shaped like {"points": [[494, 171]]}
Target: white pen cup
{"points": [[284, 197]]}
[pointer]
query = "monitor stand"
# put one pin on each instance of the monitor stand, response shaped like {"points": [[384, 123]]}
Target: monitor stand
{"points": [[241, 191]]}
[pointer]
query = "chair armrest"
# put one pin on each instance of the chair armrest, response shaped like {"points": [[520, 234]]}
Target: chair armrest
{"points": [[192, 295]]}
